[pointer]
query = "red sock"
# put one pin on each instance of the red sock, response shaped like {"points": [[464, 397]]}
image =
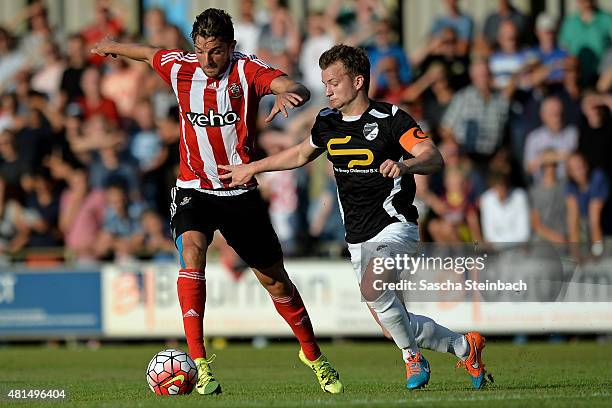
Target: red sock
{"points": [[191, 286], [292, 309]]}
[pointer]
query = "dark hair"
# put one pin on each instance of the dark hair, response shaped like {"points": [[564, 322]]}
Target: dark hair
{"points": [[354, 59], [214, 23]]}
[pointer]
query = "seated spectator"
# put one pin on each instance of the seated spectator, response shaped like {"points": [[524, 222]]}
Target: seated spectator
{"points": [[394, 90], [12, 164], [122, 84], [47, 79], [505, 12], [14, 231], [280, 190], [553, 134], [385, 47], [434, 89], [476, 116], [504, 212], [279, 41], [461, 23], [604, 84], [155, 241], [547, 201], [42, 203], [154, 25], [322, 34], [246, 29], [586, 35], [594, 141], [121, 230], [324, 216], [11, 60], [106, 24], [70, 84], [81, 212], [548, 53], [93, 102], [457, 216], [442, 49], [586, 192], [509, 63]]}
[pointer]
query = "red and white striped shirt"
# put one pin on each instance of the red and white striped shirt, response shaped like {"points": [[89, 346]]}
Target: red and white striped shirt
{"points": [[218, 115]]}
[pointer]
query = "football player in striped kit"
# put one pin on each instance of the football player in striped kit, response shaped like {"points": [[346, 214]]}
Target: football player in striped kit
{"points": [[218, 92]]}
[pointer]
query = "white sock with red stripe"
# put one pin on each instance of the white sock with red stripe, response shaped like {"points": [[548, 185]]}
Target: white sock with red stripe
{"points": [[191, 286]]}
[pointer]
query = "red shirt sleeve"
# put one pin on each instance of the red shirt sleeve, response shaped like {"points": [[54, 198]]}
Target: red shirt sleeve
{"points": [[162, 63], [261, 75]]}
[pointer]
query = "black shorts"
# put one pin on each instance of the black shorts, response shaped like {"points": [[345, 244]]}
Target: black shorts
{"points": [[243, 220]]}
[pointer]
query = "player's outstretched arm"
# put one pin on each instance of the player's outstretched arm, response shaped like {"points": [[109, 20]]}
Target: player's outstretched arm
{"points": [[138, 52], [427, 160], [289, 94], [294, 157]]}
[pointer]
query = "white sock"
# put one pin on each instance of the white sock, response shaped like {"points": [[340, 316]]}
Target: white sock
{"points": [[432, 336], [394, 318]]}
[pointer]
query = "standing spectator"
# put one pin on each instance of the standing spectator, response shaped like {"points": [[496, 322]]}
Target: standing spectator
{"points": [[586, 192], [586, 35], [547, 201], [505, 12], [553, 134], [461, 23], [385, 46], [476, 116], [246, 29], [504, 212]]}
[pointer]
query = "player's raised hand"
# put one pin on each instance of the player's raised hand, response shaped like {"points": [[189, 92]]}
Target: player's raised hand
{"points": [[238, 174], [284, 101], [104, 48], [392, 169]]}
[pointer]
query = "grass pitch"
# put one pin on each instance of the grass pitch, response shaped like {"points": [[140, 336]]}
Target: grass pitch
{"points": [[540, 375]]}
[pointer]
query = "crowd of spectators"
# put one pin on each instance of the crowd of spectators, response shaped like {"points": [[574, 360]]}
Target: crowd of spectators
{"points": [[520, 110]]}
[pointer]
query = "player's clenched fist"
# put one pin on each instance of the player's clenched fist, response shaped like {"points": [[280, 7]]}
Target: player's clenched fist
{"points": [[392, 169], [239, 175]]}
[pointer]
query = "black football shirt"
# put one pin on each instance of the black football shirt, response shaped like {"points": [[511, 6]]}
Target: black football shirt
{"points": [[356, 147]]}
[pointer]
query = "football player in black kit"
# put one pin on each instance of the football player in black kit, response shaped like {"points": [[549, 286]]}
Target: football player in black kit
{"points": [[375, 148]]}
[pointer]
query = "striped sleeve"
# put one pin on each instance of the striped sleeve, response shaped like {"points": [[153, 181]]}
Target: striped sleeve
{"points": [[260, 75], [163, 61]]}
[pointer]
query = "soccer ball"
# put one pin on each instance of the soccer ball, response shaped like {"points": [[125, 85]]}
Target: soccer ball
{"points": [[171, 372]]}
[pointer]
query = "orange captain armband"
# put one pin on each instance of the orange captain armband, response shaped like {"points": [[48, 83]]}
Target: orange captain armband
{"points": [[412, 137]]}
